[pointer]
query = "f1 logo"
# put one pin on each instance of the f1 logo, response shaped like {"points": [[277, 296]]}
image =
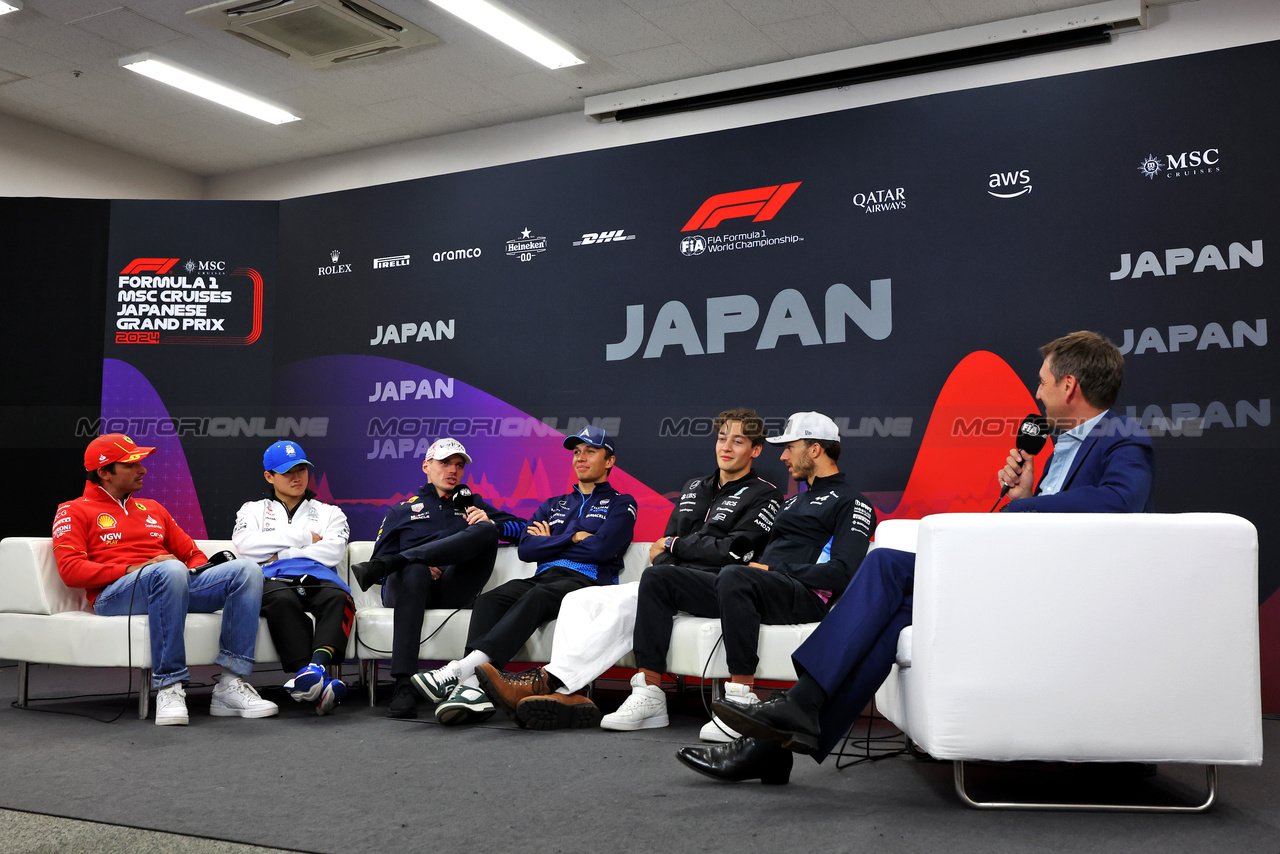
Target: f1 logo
{"points": [[159, 266], [761, 203]]}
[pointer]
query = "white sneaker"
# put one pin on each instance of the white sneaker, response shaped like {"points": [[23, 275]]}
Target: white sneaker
{"points": [[646, 708], [236, 698], [717, 730], [171, 706]]}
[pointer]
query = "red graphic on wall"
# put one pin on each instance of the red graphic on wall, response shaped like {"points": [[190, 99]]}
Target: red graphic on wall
{"points": [[761, 203], [970, 433]]}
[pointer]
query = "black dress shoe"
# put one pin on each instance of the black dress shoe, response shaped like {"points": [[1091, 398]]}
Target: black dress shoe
{"points": [[369, 573], [743, 759], [375, 570], [404, 700], [778, 719]]}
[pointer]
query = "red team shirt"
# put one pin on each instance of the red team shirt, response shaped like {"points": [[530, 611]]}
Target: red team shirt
{"points": [[96, 538]]}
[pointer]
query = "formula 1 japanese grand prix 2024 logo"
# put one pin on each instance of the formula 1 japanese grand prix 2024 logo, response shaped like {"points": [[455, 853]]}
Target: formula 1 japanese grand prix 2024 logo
{"points": [[760, 205], [203, 302]]}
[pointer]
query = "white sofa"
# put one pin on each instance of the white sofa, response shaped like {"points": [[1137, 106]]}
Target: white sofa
{"points": [[1082, 638], [44, 621], [696, 650]]}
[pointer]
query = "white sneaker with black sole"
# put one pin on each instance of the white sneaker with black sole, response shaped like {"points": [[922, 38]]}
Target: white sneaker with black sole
{"points": [[716, 730], [646, 708], [171, 706], [236, 698]]}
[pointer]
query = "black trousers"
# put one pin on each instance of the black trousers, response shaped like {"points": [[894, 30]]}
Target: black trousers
{"points": [[505, 617], [742, 597], [466, 559], [286, 602]]}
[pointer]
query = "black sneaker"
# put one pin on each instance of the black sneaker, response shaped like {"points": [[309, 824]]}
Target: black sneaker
{"points": [[404, 700]]}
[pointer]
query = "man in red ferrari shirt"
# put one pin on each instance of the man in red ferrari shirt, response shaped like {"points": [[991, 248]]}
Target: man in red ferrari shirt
{"points": [[130, 557]]}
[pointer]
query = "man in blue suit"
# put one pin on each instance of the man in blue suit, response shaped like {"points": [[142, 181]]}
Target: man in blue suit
{"points": [[1101, 463]]}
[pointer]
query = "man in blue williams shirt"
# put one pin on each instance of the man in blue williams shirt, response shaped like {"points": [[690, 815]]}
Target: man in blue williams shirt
{"points": [[577, 540], [1102, 463]]}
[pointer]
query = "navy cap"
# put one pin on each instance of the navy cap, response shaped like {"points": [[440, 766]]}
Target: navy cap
{"points": [[593, 436], [283, 456]]}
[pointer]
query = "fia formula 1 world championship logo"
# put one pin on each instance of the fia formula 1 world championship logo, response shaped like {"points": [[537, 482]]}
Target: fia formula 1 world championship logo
{"points": [[761, 204]]}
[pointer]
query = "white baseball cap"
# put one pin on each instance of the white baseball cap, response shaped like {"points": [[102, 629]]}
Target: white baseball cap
{"points": [[813, 426], [442, 449]]}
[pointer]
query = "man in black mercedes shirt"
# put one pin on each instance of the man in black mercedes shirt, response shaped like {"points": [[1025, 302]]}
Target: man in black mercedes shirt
{"points": [[786, 584]]}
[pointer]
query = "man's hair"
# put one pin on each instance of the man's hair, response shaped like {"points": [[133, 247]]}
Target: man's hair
{"points": [[1093, 360], [752, 424], [831, 448], [92, 476]]}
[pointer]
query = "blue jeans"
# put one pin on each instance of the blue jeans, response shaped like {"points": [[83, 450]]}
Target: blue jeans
{"points": [[166, 592]]}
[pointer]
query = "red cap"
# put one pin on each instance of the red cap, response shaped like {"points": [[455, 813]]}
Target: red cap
{"points": [[113, 448]]}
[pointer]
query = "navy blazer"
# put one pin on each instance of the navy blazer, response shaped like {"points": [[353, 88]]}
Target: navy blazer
{"points": [[1111, 473]]}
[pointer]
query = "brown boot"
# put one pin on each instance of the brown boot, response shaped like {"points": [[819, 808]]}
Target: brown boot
{"points": [[506, 690], [557, 711]]}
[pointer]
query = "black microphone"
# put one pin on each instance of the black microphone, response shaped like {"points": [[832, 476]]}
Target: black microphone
{"points": [[464, 498], [1033, 432], [221, 557]]}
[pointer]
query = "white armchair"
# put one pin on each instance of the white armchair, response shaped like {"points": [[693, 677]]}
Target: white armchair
{"points": [[1082, 638]]}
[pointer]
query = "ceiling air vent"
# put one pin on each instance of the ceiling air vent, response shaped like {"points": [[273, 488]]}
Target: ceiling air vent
{"points": [[316, 33]]}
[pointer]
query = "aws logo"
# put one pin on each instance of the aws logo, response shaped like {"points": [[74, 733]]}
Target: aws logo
{"points": [[1009, 185], [106, 520]]}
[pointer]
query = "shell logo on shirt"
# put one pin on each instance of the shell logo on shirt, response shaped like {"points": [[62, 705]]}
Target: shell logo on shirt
{"points": [[106, 520]]}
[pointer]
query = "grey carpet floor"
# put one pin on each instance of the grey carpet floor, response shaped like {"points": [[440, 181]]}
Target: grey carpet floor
{"points": [[358, 781]]}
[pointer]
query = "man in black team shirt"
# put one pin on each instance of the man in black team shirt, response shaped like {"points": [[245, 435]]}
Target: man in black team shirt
{"points": [[785, 584]]}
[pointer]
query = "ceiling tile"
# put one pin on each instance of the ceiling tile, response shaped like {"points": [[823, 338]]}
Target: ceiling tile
{"points": [[27, 61], [127, 29], [659, 64], [716, 32], [762, 12], [606, 27], [813, 35], [878, 21]]}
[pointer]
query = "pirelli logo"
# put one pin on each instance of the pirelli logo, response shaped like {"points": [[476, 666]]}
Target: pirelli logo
{"points": [[761, 204]]}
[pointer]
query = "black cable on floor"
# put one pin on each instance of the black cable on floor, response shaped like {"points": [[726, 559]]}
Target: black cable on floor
{"points": [[873, 748]]}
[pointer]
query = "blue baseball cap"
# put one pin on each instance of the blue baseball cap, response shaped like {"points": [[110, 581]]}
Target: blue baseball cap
{"points": [[283, 456], [593, 436]]}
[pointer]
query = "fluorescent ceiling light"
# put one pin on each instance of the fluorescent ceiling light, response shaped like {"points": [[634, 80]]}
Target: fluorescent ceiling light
{"points": [[188, 81], [7, 6], [511, 31]]}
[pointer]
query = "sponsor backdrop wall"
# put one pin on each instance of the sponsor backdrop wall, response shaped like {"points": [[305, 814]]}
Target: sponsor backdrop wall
{"points": [[894, 266]]}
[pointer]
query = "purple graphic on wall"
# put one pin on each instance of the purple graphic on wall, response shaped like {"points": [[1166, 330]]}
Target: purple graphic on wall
{"points": [[130, 405], [383, 414]]}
